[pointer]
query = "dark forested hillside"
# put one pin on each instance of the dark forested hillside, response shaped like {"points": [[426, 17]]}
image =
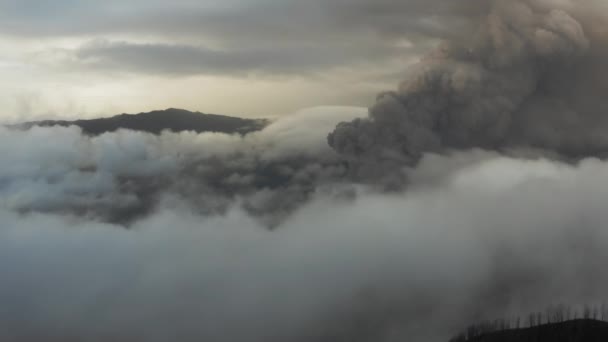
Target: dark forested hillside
{"points": [[581, 330], [176, 120]]}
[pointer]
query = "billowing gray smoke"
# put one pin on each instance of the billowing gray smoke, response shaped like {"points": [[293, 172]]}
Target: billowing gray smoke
{"points": [[531, 77], [129, 236]]}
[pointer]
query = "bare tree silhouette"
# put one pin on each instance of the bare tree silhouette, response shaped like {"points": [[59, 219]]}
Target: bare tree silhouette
{"points": [[553, 315]]}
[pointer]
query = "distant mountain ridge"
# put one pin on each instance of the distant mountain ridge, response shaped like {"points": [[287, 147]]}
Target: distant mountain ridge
{"points": [[172, 119], [580, 330]]}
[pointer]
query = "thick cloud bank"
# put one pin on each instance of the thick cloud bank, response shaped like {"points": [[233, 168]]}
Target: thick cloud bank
{"points": [[478, 236], [119, 177], [530, 76]]}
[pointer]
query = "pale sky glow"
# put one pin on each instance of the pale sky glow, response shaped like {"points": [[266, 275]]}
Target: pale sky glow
{"points": [[84, 58]]}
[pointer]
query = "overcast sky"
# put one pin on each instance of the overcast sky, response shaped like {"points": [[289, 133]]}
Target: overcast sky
{"points": [[83, 58]]}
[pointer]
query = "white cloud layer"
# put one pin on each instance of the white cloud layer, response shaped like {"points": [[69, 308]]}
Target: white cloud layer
{"points": [[497, 237]]}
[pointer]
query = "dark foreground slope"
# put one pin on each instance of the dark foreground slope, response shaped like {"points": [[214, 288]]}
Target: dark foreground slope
{"points": [[570, 331], [176, 120]]}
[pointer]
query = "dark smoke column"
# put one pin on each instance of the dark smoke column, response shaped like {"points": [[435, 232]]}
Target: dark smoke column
{"points": [[478, 93]]}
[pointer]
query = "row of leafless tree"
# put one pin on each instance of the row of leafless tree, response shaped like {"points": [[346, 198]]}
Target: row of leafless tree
{"points": [[554, 314]]}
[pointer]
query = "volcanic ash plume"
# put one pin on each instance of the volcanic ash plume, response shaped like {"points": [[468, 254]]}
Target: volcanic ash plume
{"points": [[526, 79]]}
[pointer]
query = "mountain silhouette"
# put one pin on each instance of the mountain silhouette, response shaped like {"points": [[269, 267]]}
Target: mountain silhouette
{"points": [[175, 120]]}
